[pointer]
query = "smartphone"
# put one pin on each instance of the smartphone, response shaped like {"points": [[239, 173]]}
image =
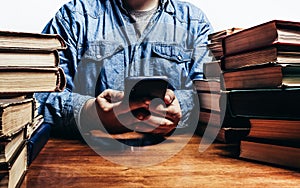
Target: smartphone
{"points": [[144, 87], [149, 87]]}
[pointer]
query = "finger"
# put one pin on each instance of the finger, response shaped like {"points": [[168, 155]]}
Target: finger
{"points": [[156, 121], [104, 103], [125, 106], [112, 95], [117, 96], [172, 112], [157, 129], [169, 97]]}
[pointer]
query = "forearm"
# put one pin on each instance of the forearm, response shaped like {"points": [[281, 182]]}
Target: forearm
{"points": [[61, 110], [187, 100]]}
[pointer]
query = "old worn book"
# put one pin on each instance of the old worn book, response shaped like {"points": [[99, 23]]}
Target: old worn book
{"points": [[215, 41], [34, 125], [15, 113], [276, 54], [273, 76], [265, 34], [28, 58], [222, 134], [219, 35], [264, 103], [271, 152], [9, 145], [21, 40], [224, 119], [207, 85], [12, 172], [37, 140], [275, 129], [27, 80], [209, 101]]}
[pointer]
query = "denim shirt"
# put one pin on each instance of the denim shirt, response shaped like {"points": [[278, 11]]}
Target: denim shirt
{"points": [[103, 49]]}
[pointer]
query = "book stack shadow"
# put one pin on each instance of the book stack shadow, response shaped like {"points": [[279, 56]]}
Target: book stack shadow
{"points": [[28, 64]]}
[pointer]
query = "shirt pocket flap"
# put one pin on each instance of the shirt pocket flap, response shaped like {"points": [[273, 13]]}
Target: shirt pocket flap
{"points": [[101, 50], [172, 52]]}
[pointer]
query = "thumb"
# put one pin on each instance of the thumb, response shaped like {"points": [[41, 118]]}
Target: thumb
{"points": [[169, 97]]}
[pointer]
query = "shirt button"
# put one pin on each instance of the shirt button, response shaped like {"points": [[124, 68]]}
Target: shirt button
{"points": [[98, 56], [179, 57]]}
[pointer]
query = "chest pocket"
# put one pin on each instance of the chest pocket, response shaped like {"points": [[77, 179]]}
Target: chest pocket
{"points": [[101, 66], [173, 61]]}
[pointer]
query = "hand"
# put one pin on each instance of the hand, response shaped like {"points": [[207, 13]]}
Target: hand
{"points": [[164, 116], [115, 113]]}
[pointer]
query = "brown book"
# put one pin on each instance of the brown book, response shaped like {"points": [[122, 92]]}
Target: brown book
{"points": [[15, 114], [273, 76], [264, 103], [209, 101], [9, 145], [222, 134], [207, 85], [21, 40], [13, 172], [266, 34], [275, 129], [268, 152], [219, 35], [28, 80], [34, 125], [277, 54], [28, 58], [215, 39], [224, 119]]}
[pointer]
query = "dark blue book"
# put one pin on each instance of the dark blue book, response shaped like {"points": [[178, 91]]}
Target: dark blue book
{"points": [[37, 141]]}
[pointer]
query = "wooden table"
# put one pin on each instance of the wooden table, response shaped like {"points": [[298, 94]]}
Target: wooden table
{"points": [[72, 163]]}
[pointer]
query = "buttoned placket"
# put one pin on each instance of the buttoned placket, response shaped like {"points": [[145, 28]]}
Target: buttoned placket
{"points": [[135, 61]]}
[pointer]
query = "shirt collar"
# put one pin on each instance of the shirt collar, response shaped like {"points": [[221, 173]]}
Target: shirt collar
{"points": [[167, 5]]}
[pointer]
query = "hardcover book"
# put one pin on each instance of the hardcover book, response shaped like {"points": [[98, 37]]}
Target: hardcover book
{"points": [[33, 41], [273, 76], [37, 141], [215, 39], [9, 145], [28, 58], [264, 103], [15, 113], [29, 80], [12, 172], [271, 153], [266, 34], [276, 54], [275, 129]]}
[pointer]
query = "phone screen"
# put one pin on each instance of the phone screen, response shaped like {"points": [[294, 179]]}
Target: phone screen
{"points": [[139, 88]]}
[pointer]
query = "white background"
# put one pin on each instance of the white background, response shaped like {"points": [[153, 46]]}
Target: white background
{"points": [[32, 15]]}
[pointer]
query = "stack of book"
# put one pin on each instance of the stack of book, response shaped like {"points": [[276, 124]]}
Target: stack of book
{"points": [[214, 118], [215, 41], [261, 79], [28, 64]]}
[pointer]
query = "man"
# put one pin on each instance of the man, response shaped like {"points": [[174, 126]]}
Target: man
{"points": [[111, 40]]}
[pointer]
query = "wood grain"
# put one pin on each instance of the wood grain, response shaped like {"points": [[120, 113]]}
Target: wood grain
{"points": [[72, 163]]}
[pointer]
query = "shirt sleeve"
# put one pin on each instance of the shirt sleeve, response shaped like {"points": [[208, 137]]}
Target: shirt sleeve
{"points": [[62, 108], [188, 98]]}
